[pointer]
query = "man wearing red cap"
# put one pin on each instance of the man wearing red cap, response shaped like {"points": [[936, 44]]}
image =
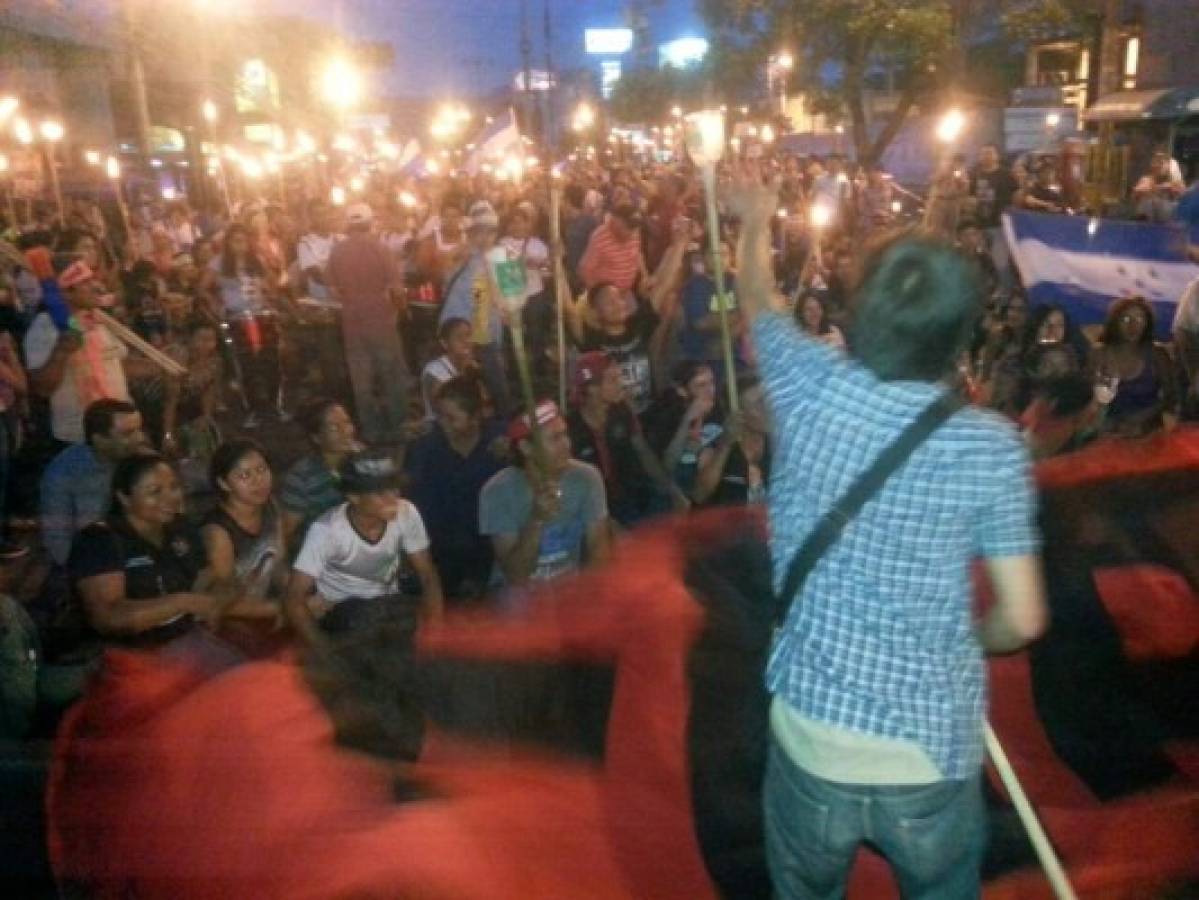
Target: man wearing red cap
{"points": [[79, 365], [605, 432], [547, 514]]}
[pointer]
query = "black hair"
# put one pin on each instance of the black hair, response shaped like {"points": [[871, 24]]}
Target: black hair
{"points": [[463, 390], [825, 326], [128, 473], [444, 329], [198, 323], [1111, 326], [311, 416], [226, 457], [100, 416], [1067, 394], [915, 309], [228, 263]]}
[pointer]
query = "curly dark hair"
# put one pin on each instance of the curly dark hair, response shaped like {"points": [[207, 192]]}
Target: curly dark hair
{"points": [[1111, 326]]}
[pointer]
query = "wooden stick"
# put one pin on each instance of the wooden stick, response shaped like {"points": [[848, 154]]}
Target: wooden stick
{"points": [[135, 341], [1028, 817], [560, 285]]}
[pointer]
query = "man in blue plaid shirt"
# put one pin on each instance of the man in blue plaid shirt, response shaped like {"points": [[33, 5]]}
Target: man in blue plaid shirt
{"points": [[877, 676]]}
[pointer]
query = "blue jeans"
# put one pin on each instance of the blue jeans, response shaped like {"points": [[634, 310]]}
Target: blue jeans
{"points": [[933, 835]]}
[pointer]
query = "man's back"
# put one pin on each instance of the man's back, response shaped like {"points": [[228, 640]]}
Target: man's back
{"points": [[361, 271], [881, 639]]}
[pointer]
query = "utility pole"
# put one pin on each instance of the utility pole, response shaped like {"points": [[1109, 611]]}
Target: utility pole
{"points": [[526, 51], [554, 87], [137, 79]]}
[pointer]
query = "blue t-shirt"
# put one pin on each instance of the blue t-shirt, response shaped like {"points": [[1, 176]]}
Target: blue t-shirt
{"points": [[699, 295]]}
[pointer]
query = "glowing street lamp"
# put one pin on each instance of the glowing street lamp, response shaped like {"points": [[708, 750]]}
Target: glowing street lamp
{"points": [[8, 106], [51, 131], [341, 84], [950, 127], [210, 112], [22, 131], [584, 117], [785, 60]]}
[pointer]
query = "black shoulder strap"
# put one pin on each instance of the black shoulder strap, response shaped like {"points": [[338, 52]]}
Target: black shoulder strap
{"points": [[829, 529]]}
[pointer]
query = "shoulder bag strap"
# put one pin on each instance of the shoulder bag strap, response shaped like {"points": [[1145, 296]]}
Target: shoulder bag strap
{"points": [[829, 529]]}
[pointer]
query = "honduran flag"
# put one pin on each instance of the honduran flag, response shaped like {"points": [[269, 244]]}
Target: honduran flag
{"points": [[1083, 264], [498, 140]]}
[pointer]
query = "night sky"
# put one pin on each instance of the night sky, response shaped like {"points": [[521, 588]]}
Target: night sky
{"points": [[461, 47]]}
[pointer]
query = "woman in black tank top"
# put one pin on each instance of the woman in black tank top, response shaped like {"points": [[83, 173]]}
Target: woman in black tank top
{"points": [[243, 534]]}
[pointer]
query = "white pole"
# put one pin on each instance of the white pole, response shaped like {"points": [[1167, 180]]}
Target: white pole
{"points": [[1028, 817]]}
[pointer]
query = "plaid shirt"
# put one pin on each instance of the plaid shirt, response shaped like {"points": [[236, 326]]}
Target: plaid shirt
{"points": [[881, 639]]}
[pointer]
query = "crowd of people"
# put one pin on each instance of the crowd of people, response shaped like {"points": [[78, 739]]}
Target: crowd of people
{"points": [[377, 328], [350, 442]]}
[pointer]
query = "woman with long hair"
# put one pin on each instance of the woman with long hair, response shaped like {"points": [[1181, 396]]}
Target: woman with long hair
{"points": [[812, 316], [245, 293], [243, 535], [1134, 377]]}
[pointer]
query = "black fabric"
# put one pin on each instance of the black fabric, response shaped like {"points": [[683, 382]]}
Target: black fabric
{"points": [[625, 479], [1106, 717], [829, 528], [111, 545]]}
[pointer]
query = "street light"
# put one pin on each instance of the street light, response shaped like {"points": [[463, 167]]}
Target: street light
{"points": [[51, 131], [949, 129], [584, 117], [785, 60], [23, 131], [8, 106], [341, 84], [210, 112]]}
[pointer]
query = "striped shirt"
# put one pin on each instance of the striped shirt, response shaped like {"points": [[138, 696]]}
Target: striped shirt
{"points": [[880, 640], [611, 261]]}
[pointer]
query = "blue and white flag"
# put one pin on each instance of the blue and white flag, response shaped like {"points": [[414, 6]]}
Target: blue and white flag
{"points": [[499, 139], [1084, 264]]}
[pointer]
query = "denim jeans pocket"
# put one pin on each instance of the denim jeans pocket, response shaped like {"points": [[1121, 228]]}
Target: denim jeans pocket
{"points": [[798, 817], [936, 828]]}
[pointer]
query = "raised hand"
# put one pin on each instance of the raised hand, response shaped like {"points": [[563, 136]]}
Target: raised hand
{"points": [[750, 198]]}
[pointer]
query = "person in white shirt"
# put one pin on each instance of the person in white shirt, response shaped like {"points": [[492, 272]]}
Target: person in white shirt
{"points": [[78, 365], [345, 577], [313, 249], [521, 243], [454, 335]]}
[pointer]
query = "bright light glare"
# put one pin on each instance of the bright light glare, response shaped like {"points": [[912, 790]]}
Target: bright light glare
{"points": [[950, 127], [22, 131], [407, 200], [168, 193], [209, 111], [357, 184], [91, 157], [767, 134], [51, 131], [785, 60], [1053, 120], [584, 117], [341, 84], [337, 196], [3, 163], [112, 167], [821, 216], [8, 106]]}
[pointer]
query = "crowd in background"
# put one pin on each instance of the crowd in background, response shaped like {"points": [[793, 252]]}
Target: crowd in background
{"points": [[351, 381]]}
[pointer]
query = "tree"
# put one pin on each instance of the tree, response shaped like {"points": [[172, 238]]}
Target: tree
{"points": [[838, 44]]}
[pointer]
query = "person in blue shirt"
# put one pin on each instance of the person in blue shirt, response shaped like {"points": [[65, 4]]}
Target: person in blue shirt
{"points": [[877, 672], [447, 469]]}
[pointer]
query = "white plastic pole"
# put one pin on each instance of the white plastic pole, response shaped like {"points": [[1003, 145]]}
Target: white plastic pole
{"points": [[1028, 817]]}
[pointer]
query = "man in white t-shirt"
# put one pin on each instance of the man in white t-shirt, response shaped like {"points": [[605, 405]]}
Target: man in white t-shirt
{"points": [[351, 558], [78, 365], [313, 249]]}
